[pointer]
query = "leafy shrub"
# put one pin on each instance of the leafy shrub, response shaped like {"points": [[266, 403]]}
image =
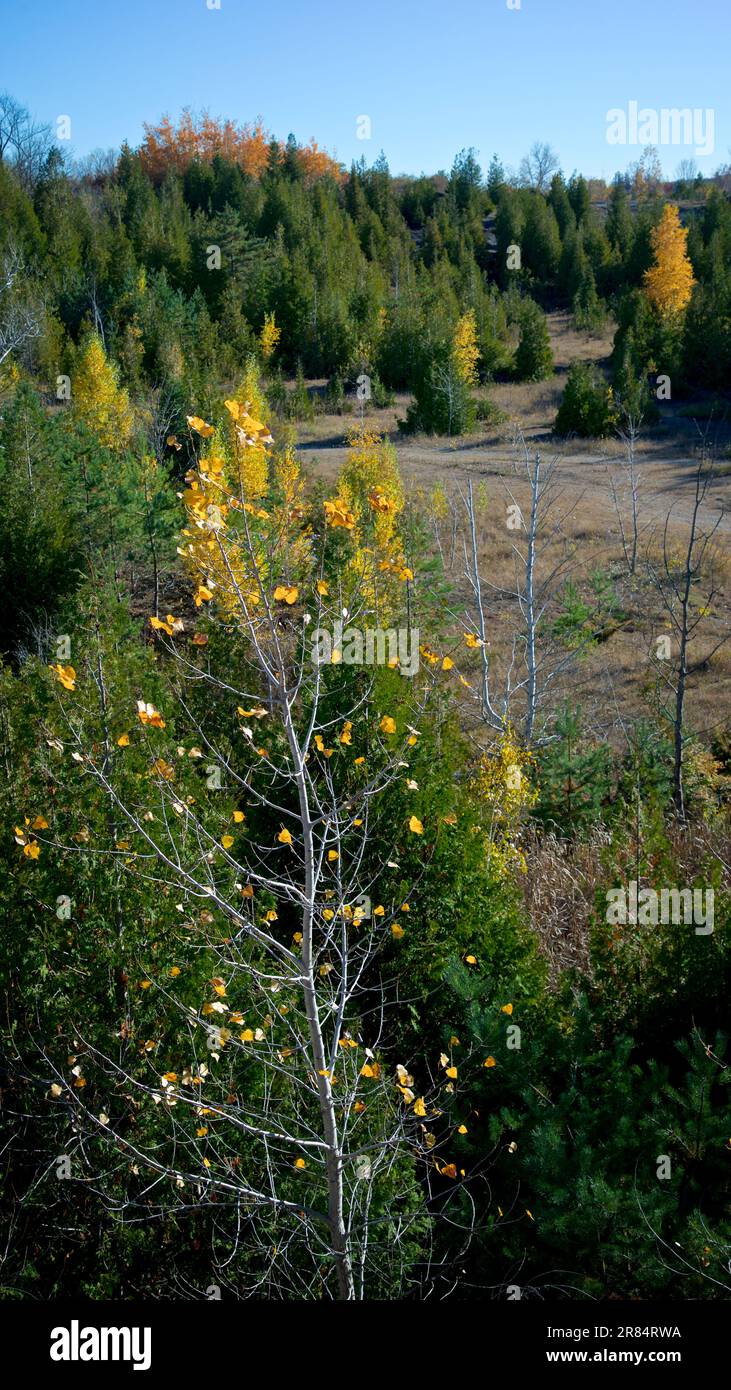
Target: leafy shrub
{"points": [[587, 407]]}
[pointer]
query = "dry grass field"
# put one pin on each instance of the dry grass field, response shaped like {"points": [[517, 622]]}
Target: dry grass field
{"points": [[615, 678]]}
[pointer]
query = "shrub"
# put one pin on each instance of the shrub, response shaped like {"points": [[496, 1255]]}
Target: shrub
{"points": [[587, 407]]}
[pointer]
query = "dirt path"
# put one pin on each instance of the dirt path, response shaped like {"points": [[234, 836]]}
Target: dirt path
{"points": [[666, 483]]}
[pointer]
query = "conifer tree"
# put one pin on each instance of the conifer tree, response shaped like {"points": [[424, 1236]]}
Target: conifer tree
{"points": [[669, 281], [534, 358], [97, 399]]}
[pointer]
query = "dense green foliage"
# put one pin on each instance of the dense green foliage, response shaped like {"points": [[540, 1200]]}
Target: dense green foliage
{"points": [[361, 272]]}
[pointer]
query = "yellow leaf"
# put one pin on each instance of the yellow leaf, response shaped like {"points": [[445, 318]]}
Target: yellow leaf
{"points": [[447, 663], [506, 1009], [323, 587], [40, 823], [238, 817], [147, 714], [337, 514], [415, 826], [489, 1062], [66, 675], [285, 594], [397, 931], [419, 1107], [300, 1163], [284, 837], [199, 426], [451, 1072], [387, 725], [227, 841], [471, 960], [123, 741]]}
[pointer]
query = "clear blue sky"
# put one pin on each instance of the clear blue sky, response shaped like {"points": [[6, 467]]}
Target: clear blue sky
{"points": [[432, 76]]}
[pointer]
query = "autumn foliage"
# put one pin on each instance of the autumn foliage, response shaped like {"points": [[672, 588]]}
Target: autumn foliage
{"points": [[669, 281], [168, 146]]}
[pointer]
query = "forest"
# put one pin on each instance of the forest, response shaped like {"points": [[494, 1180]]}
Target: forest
{"points": [[365, 722]]}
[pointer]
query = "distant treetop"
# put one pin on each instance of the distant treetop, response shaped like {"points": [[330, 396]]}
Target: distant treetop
{"points": [[167, 146]]}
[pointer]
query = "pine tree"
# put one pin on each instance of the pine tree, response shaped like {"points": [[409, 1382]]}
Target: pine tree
{"points": [[619, 221], [586, 305], [573, 778], [534, 358]]}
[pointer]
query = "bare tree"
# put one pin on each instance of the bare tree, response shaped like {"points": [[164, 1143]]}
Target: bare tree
{"points": [[677, 582], [542, 560], [96, 166], [626, 496], [23, 142], [538, 167], [21, 318], [687, 171]]}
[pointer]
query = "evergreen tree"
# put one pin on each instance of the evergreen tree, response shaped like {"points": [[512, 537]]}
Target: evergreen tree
{"points": [[534, 357]]}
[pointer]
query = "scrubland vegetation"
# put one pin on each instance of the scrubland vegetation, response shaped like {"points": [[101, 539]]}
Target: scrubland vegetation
{"points": [[310, 985]]}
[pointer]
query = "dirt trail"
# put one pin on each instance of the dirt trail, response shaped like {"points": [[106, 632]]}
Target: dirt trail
{"points": [[666, 483]]}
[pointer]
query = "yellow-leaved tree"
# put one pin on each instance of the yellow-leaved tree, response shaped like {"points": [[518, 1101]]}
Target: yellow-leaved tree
{"points": [[269, 336], [669, 281], [371, 491], [505, 785], [273, 1088], [98, 399], [465, 351]]}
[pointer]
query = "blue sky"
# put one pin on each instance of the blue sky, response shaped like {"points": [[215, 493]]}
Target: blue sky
{"points": [[433, 77]]}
